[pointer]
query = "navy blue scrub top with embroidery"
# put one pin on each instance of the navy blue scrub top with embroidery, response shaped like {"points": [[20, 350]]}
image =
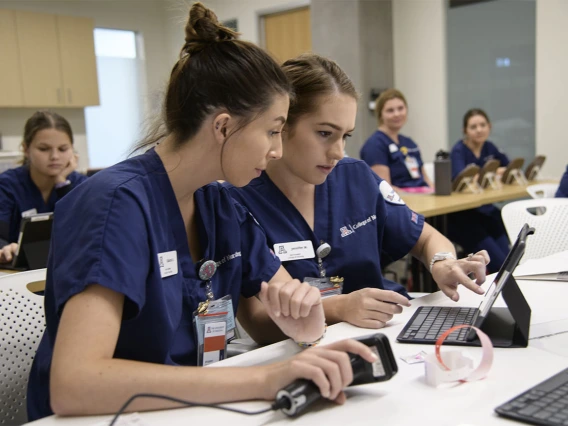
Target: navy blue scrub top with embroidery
{"points": [[380, 149], [462, 156], [563, 187], [352, 214], [110, 231], [19, 194]]}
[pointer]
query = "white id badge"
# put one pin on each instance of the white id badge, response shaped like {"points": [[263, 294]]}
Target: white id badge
{"points": [[211, 332], [29, 212], [327, 286], [168, 263], [393, 148], [412, 166], [224, 304], [296, 250]]}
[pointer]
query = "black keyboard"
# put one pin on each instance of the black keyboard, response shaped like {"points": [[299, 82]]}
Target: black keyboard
{"points": [[430, 322], [543, 404]]}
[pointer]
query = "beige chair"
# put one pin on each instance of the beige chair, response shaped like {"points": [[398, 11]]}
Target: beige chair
{"points": [[551, 225], [22, 323]]}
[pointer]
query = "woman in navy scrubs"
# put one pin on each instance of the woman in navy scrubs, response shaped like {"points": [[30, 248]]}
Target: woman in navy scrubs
{"points": [[46, 176], [394, 157], [482, 227], [123, 280], [562, 191], [314, 194]]}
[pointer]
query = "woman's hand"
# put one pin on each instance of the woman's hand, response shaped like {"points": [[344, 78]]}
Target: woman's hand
{"points": [[370, 307], [327, 366], [450, 273], [7, 252], [295, 308], [71, 166]]}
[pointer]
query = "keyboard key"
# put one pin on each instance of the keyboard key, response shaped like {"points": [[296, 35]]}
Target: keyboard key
{"points": [[542, 415]]}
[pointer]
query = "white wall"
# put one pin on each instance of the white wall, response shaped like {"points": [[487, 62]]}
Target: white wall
{"points": [[551, 85], [146, 17], [419, 48]]}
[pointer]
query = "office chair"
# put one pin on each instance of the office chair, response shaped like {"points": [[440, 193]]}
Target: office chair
{"points": [[542, 190], [549, 217], [22, 325]]}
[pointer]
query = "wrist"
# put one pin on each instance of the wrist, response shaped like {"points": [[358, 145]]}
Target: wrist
{"points": [[334, 308], [441, 257], [311, 343]]}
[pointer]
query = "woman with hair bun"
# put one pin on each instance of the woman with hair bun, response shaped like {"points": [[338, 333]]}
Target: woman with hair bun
{"points": [[154, 245]]}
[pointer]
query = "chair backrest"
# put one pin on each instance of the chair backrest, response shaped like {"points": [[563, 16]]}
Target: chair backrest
{"points": [[22, 324], [542, 190], [551, 225]]}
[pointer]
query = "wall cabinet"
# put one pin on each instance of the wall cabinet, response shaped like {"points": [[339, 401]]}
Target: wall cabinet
{"points": [[52, 58]]}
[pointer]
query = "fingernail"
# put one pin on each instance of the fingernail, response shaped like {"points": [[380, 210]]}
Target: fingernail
{"points": [[277, 313], [480, 291], [374, 356], [455, 297]]}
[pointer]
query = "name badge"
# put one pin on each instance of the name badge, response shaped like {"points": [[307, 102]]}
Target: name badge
{"points": [[296, 250], [168, 263], [393, 148], [412, 166], [29, 212]]}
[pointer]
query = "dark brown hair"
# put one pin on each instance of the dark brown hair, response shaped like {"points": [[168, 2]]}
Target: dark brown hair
{"points": [[472, 113], [215, 72], [383, 98], [313, 76], [42, 120]]}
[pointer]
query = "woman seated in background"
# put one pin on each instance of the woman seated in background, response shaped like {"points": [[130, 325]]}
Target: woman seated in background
{"points": [[314, 194], [124, 286], [563, 187], [394, 157], [45, 177], [481, 227]]}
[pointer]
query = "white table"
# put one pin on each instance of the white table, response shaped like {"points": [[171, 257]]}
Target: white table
{"points": [[406, 399]]}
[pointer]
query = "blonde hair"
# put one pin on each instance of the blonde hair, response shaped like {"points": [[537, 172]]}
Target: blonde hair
{"points": [[383, 98]]}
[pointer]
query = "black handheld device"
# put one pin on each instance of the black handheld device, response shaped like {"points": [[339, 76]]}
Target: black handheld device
{"points": [[300, 394]]}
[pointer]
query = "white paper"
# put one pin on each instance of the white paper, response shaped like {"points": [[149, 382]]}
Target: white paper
{"points": [[545, 268]]}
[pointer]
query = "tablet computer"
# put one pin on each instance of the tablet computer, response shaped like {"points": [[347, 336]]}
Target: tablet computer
{"points": [[33, 242], [513, 167], [534, 167], [465, 177], [487, 172]]}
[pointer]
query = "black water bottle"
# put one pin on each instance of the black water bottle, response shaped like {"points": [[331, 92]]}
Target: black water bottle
{"points": [[443, 173]]}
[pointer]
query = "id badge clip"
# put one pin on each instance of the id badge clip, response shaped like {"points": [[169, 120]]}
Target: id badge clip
{"points": [[327, 286]]}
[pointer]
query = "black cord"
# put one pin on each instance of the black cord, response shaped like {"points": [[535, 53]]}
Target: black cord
{"points": [[277, 405]]}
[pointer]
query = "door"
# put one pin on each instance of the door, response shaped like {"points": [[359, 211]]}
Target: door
{"points": [[78, 62], [39, 59], [10, 71], [288, 34]]}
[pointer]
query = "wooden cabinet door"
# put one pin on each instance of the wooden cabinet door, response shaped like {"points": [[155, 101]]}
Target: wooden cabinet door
{"points": [[288, 34], [78, 62], [39, 53], [11, 94]]}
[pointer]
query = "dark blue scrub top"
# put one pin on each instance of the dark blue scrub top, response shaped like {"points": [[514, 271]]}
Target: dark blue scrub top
{"points": [[351, 214], [382, 150], [462, 156], [19, 194], [110, 231], [563, 187]]}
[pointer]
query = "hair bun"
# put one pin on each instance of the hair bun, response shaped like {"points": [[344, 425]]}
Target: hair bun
{"points": [[203, 28]]}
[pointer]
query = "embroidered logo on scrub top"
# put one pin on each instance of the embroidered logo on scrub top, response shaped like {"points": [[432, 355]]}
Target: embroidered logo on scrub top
{"points": [[414, 218], [390, 194], [350, 229], [229, 257]]}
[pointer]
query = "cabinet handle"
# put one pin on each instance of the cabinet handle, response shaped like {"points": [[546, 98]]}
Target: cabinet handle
{"points": [[69, 96], [59, 96]]}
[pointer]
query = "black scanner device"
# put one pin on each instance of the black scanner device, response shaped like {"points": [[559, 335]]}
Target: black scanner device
{"points": [[300, 394]]}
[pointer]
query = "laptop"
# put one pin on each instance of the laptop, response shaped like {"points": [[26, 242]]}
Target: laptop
{"points": [[33, 243], [507, 327]]}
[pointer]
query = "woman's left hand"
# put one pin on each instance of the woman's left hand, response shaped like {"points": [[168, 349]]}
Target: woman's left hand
{"points": [[296, 309], [71, 166], [450, 273]]}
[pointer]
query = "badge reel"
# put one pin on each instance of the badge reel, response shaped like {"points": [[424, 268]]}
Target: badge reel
{"points": [[327, 286], [213, 320]]}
